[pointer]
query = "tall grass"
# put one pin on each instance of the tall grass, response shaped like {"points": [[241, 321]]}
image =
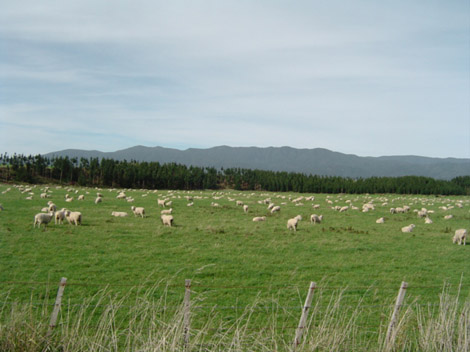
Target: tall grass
{"points": [[106, 322]]}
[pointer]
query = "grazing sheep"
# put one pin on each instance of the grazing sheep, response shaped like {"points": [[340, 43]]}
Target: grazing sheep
{"points": [[239, 203], [448, 217], [422, 213], [121, 195], [60, 216], [169, 204], [167, 220], [408, 228], [138, 211], [245, 208], [161, 202], [380, 221], [393, 211], [166, 211], [343, 209], [270, 206], [98, 200], [43, 218], [427, 220], [52, 207], [69, 200], [81, 197], [275, 209], [119, 214], [99, 195], [460, 237], [215, 204], [190, 204], [74, 217], [43, 195], [259, 218], [316, 219], [45, 210], [292, 224]]}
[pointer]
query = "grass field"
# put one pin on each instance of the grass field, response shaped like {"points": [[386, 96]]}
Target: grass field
{"points": [[233, 262]]}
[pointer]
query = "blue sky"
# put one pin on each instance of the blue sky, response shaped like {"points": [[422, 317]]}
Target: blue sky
{"points": [[360, 77]]}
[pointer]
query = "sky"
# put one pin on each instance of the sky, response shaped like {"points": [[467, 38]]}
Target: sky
{"points": [[362, 77]]}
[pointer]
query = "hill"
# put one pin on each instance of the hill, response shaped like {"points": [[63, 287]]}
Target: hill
{"points": [[316, 161]]}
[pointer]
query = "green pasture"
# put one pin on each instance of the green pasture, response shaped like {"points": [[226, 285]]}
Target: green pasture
{"points": [[231, 260]]}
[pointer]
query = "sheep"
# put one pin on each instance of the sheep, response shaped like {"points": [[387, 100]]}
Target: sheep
{"points": [[239, 203], [380, 221], [43, 195], [275, 209], [343, 209], [99, 195], [98, 200], [259, 218], [168, 204], [45, 210], [422, 213], [81, 197], [292, 224], [74, 217], [448, 217], [245, 208], [270, 206], [427, 220], [408, 228], [161, 202], [138, 211], [215, 204], [460, 237], [119, 214], [42, 218], [60, 216], [69, 200], [166, 211], [52, 207], [167, 220], [393, 211], [316, 219]]}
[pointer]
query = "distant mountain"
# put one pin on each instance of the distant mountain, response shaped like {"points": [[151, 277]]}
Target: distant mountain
{"points": [[316, 161]]}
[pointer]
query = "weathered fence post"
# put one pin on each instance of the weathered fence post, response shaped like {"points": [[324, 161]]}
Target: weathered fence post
{"points": [[303, 318], [58, 302], [186, 312], [390, 337]]}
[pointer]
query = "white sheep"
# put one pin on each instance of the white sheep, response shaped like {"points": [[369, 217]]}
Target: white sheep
{"points": [[60, 216], [448, 217], [167, 220], [427, 220], [74, 217], [138, 211], [422, 213], [275, 209], [43, 218], [259, 218], [380, 221], [239, 203], [81, 197], [408, 228], [169, 204], [190, 204], [343, 209], [52, 207], [161, 202], [292, 224], [119, 214], [69, 200], [316, 219], [98, 200], [121, 195], [245, 208], [460, 237], [166, 211]]}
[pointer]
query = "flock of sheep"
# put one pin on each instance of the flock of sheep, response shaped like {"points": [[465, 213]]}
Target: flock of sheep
{"points": [[273, 205]]}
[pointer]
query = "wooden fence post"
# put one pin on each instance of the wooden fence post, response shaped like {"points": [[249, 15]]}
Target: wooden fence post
{"points": [[390, 337], [303, 318], [58, 302], [186, 312]]}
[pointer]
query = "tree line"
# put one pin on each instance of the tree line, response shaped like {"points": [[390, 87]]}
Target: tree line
{"points": [[96, 172]]}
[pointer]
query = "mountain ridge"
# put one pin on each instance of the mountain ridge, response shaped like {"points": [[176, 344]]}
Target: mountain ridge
{"points": [[318, 161]]}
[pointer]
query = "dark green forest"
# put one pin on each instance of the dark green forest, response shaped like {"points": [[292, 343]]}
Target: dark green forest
{"points": [[94, 172]]}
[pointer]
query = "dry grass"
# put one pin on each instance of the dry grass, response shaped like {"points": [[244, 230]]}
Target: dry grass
{"points": [[105, 322]]}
